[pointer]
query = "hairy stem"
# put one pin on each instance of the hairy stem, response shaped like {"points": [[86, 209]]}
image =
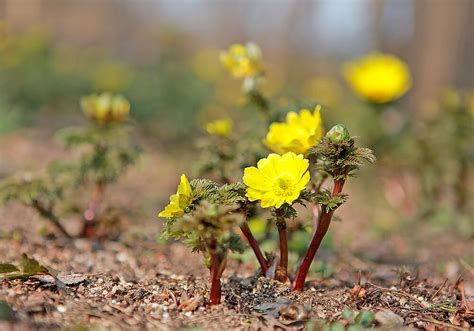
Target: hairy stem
{"points": [[282, 269], [48, 214], [323, 226], [90, 214], [255, 247]]}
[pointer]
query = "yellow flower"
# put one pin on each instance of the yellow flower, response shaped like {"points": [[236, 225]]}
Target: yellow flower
{"points": [[297, 134], [243, 60], [377, 77], [221, 128], [277, 179], [179, 201], [106, 107]]}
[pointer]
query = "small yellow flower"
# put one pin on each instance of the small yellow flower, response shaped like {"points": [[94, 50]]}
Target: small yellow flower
{"points": [[277, 179], [297, 134], [179, 201], [377, 77], [221, 128], [106, 107], [243, 60]]}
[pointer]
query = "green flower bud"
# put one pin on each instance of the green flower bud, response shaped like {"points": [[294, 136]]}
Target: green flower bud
{"points": [[338, 134]]}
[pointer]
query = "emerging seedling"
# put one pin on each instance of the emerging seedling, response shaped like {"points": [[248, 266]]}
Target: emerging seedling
{"points": [[337, 156], [106, 151], [109, 150], [41, 192], [203, 215]]}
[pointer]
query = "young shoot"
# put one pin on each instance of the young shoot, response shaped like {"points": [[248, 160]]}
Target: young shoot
{"points": [[337, 156], [203, 215], [109, 150]]}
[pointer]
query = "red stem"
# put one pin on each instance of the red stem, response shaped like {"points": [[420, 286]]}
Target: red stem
{"points": [[255, 247], [323, 226], [90, 214], [216, 272], [282, 270]]}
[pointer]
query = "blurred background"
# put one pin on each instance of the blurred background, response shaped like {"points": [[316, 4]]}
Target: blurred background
{"points": [[164, 57]]}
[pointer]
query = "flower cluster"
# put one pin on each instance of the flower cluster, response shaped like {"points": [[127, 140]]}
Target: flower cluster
{"points": [[106, 108], [377, 77], [204, 214]]}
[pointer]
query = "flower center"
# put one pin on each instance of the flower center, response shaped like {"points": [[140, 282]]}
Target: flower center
{"points": [[283, 185]]}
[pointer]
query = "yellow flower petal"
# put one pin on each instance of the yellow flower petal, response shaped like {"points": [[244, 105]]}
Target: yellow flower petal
{"points": [[278, 179], [179, 201], [105, 108], [299, 132]]}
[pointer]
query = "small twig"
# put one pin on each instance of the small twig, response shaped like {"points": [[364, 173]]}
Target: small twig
{"points": [[171, 294], [438, 290]]}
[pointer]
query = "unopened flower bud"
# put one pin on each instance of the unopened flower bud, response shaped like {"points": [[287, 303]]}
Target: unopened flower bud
{"points": [[338, 134]]}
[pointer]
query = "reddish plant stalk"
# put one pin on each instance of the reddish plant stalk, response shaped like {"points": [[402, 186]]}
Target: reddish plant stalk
{"points": [[281, 273], [217, 267], [255, 247], [90, 214], [323, 226]]}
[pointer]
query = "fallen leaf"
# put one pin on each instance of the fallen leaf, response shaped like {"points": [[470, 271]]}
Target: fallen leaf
{"points": [[7, 267], [30, 266]]}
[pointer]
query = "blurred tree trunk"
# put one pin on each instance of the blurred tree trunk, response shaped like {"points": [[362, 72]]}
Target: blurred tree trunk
{"points": [[441, 27]]}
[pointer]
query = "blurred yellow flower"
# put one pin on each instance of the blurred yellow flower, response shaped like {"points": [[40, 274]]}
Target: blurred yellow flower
{"points": [[243, 60], [277, 179], [222, 127], [377, 77], [106, 107], [297, 134], [179, 201]]}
